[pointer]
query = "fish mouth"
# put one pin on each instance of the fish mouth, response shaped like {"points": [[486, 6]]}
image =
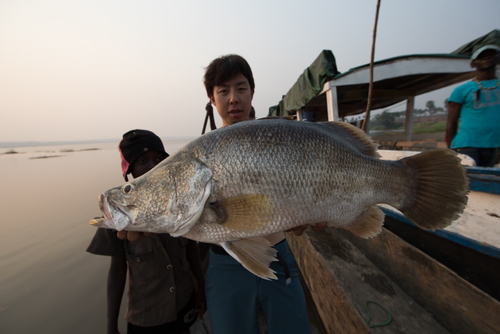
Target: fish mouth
{"points": [[102, 223], [114, 213], [104, 207]]}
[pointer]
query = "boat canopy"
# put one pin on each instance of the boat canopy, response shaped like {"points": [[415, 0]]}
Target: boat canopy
{"points": [[488, 39], [394, 80], [308, 85], [331, 95]]}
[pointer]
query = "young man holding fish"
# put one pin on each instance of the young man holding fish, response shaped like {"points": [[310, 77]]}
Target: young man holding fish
{"points": [[235, 295], [161, 297]]}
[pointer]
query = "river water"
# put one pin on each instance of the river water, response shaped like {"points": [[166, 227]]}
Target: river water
{"points": [[48, 283]]}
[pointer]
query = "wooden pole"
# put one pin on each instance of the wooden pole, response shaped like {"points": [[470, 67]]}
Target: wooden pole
{"points": [[370, 87], [410, 105]]}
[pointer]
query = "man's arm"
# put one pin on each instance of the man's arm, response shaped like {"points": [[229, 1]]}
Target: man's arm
{"points": [[117, 276], [452, 122]]}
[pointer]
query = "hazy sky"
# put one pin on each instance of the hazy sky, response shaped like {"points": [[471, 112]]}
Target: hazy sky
{"points": [[94, 69]]}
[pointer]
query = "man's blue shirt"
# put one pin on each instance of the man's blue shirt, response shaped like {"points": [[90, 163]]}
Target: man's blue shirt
{"points": [[478, 125]]}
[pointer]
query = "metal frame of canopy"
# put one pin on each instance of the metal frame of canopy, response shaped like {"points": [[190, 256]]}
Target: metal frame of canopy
{"points": [[394, 80]]}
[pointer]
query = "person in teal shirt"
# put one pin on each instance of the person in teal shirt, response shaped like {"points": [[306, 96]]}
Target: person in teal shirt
{"points": [[474, 111]]}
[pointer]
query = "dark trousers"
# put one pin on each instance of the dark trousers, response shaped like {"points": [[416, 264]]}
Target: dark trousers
{"points": [[484, 157], [161, 329], [185, 318]]}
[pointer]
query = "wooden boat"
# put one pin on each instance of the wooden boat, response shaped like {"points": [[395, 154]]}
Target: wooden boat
{"points": [[343, 273], [444, 281]]}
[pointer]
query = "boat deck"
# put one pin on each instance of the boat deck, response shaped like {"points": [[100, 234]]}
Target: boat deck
{"points": [[365, 284], [343, 272]]}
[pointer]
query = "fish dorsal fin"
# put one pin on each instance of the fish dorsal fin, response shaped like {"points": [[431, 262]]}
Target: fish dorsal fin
{"points": [[255, 254], [247, 213], [369, 225], [355, 137], [286, 118]]}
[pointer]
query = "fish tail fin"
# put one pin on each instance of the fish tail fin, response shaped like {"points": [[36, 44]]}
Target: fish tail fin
{"points": [[255, 254], [440, 189]]}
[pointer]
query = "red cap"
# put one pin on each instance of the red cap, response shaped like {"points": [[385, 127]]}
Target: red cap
{"points": [[134, 144]]}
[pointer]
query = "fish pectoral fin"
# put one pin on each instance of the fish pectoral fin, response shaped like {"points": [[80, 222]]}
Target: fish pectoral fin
{"points": [[369, 225], [255, 254], [247, 213]]}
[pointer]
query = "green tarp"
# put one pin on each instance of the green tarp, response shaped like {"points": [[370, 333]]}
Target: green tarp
{"points": [[469, 48], [308, 85]]}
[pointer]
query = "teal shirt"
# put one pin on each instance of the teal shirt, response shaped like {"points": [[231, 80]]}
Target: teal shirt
{"points": [[479, 122]]}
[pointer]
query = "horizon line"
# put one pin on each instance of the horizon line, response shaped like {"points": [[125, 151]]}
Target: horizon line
{"points": [[7, 144]]}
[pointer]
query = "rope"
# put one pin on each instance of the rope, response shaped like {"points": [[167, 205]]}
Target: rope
{"points": [[364, 127], [369, 315]]}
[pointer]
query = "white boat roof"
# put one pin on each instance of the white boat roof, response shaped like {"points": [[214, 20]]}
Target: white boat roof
{"points": [[394, 80]]}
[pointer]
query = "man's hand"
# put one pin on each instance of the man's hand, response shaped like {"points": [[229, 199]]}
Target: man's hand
{"points": [[132, 236], [299, 230], [201, 303]]}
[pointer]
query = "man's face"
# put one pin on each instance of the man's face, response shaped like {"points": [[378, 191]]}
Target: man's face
{"points": [[145, 163], [486, 60], [233, 100]]}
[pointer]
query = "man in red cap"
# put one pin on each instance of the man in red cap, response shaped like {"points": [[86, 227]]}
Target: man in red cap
{"points": [[161, 297]]}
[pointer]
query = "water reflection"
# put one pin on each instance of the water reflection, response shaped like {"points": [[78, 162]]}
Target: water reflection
{"points": [[48, 283]]}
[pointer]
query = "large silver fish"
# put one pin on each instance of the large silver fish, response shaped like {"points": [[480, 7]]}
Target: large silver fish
{"points": [[245, 181]]}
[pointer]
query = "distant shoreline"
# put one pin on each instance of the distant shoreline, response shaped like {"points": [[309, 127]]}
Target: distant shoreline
{"points": [[14, 144]]}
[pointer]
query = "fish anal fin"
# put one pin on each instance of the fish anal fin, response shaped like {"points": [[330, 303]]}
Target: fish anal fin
{"points": [[356, 137], [255, 254], [369, 225], [246, 212]]}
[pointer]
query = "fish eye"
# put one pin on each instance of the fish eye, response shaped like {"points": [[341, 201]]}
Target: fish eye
{"points": [[128, 188]]}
